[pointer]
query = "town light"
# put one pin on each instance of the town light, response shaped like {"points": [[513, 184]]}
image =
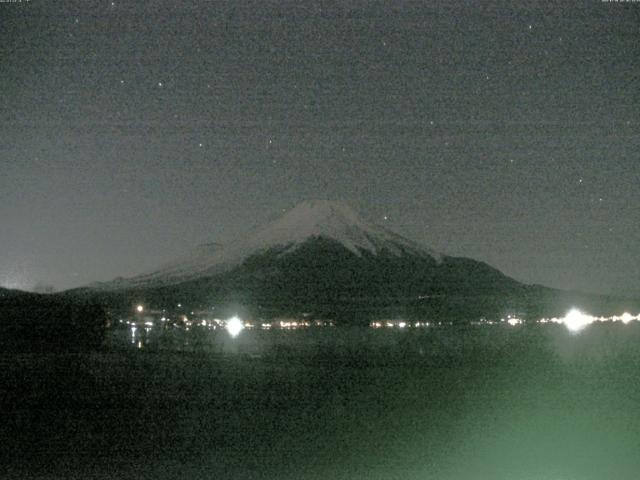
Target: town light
{"points": [[234, 326], [575, 320]]}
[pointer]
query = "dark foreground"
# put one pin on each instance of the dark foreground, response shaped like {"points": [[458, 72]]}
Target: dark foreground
{"points": [[475, 403]]}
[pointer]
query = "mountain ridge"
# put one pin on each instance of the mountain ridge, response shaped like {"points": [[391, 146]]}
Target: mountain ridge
{"points": [[322, 260], [309, 219]]}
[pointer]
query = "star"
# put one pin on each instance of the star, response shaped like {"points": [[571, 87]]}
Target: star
{"points": [[200, 145], [160, 84]]}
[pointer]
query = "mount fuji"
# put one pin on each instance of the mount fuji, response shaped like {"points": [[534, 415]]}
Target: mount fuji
{"points": [[308, 221], [323, 259]]}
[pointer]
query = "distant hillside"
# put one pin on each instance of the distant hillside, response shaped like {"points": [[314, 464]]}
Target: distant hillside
{"points": [[31, 322], [6, 293], [323, 260]]}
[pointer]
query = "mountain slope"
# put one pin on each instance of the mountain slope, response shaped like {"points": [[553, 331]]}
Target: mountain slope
{"points": [[321, 258], [312, 219], [324, 278]]}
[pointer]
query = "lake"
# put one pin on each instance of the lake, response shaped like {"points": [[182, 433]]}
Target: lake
{"points": [[475, 402]]}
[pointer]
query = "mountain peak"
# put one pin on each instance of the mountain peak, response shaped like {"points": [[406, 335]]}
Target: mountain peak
{"points": [[330, 220], [310, 219]]}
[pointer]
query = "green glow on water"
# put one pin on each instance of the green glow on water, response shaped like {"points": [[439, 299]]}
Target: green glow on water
{"points": [[496, 404]]}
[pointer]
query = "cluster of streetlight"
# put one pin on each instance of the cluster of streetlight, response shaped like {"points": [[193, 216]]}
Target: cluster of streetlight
{"points": [[574, 320], [233, 325]]}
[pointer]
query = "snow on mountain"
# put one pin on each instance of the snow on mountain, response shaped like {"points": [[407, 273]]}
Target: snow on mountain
{"points": [[334, 221], [320, 218]]}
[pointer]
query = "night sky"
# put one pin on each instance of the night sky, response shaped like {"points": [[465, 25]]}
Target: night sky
{"points": [[132, 131]]}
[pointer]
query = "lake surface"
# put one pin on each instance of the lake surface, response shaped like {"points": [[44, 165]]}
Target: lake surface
{"points": [[484, 402]]}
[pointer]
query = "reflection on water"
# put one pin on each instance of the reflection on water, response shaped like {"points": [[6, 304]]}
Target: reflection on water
{"points": [[213, 334], [494, 402], [564, 340]]}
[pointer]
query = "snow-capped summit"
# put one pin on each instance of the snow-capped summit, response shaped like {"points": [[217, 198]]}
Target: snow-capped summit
{"points": [[335, 221], [326, 219]]}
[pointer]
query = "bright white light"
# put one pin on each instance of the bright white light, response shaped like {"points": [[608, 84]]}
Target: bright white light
{"points": [[140, 309], [513, 321], [626, 317], [234, 326], [575, 320]]}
